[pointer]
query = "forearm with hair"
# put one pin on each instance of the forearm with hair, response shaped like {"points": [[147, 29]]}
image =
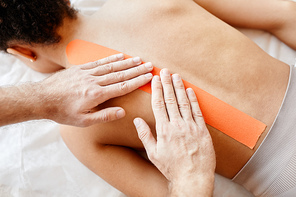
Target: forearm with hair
{"points": [[19, 103]]}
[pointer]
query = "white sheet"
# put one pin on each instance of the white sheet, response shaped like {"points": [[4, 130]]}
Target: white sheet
{"points": [[34, 160]]}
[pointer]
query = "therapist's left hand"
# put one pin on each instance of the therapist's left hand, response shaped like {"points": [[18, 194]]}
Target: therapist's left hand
{"points": [[71, 96]]}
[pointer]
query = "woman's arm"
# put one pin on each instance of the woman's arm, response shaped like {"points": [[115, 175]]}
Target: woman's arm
{"points": [[275, 16]]}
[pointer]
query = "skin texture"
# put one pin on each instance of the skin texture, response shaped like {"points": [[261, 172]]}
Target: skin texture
{"points": [[184, 37], [70, 96]]}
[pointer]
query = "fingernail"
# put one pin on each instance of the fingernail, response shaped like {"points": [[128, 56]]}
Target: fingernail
{"points": [[120, 113], [149, 65], [165, 71], [137, 122], [137, 60], [156, 78], [120, 56], [176, 77], [149, 75]]}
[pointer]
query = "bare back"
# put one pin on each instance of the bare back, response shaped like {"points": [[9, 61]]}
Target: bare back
{"points": [[182, 36]]}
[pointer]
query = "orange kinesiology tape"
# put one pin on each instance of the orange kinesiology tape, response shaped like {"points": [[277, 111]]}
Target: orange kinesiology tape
{"points": [[218, 114]]}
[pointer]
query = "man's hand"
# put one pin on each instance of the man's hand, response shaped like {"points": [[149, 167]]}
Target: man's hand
{"points": [[70, 96], [183, 151]]}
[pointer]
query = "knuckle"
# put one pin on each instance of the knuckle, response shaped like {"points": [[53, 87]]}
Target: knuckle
{"points": [[136, 71], [102, 79], [178, 85], [158, 86], [130, 62], [125, 63], [84, 92], [97, 63], [90, 79], [113, 58], [108, 59], [123, 86], [103, 94], [120, 76], [119, 65], [158, 104], [184, 105], [170, 100], [98, 93], [109, 67], [166, 80], [105, 117], [143, 135], [139, 69], [90, 93], [197, 114]]}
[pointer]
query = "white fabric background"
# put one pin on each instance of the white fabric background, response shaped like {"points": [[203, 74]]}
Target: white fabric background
{"points": [[35, 162]]}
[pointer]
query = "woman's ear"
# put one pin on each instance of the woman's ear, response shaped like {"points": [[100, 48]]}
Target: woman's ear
{"points": [[22, 52]]}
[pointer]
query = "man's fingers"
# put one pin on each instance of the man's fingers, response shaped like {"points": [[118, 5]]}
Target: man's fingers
{"points": [[107, 60], [125, 87], [183, 102], [120, 76], [116, 66], [104, 115], [146, 137], [158, 105], [196, 112], [169, 95]]}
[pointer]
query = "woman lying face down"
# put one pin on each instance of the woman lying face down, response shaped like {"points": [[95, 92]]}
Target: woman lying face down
{"points": [[179, 35]]}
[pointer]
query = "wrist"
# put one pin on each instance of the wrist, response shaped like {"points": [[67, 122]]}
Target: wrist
{"points": [[199, 185]]}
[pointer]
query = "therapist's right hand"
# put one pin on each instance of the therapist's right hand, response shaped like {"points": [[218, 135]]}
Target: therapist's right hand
{"points": [[183, 151], [70, 96]]}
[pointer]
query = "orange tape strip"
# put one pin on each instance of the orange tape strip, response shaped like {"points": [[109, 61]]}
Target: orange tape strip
{"points": [[220, 115]]}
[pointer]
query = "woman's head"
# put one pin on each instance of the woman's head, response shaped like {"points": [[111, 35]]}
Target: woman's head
{"points": [[32, 21]]}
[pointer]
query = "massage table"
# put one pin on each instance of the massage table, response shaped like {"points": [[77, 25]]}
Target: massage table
{"points": [[34, 161]]}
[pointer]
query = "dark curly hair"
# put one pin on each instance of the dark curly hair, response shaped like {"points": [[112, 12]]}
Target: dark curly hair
{"points": [[32, 21]]}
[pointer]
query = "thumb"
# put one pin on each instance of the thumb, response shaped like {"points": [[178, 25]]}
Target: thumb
{"points": [[106, 115], [145, 136]]}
